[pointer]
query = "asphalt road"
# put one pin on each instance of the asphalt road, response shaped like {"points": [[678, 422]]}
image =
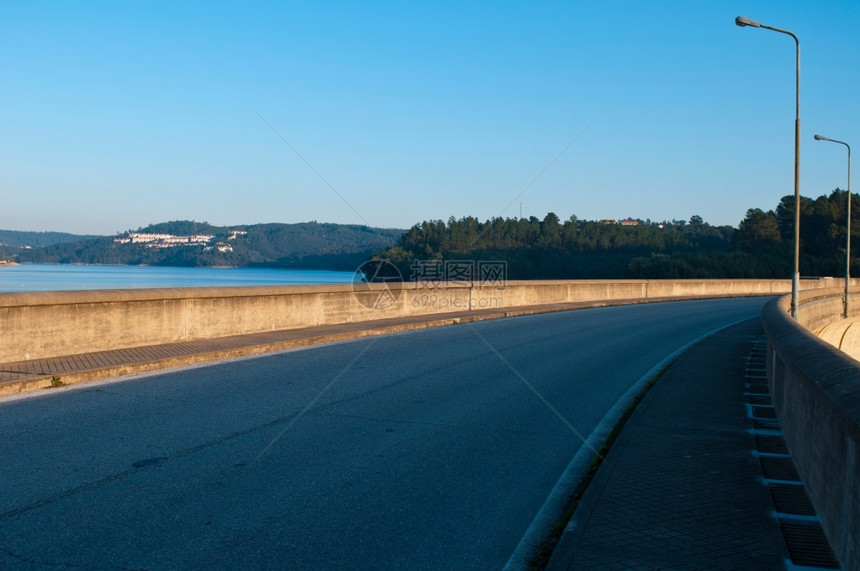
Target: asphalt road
{"points": [[431, 449]]}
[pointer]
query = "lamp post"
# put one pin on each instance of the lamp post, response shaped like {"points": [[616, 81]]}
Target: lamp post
{"points": [[848, 239], [795, 280]]}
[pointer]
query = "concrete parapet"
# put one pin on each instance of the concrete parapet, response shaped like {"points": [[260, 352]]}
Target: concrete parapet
{"points": [[816, 394], [39, 325], [822, 312], [844, 334], [48, 324]]}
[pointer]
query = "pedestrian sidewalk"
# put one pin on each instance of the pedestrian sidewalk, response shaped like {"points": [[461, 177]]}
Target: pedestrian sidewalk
{"points": [[684, 485]]}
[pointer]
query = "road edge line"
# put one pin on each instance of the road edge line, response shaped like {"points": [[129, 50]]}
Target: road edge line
{"points": [[553, 508]]}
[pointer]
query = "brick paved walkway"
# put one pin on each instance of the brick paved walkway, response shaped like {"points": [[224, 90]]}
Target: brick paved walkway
{"points": [[682, 487]]}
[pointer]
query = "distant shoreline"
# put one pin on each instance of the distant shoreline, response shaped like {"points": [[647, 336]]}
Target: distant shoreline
{"points": [[8, 263]]}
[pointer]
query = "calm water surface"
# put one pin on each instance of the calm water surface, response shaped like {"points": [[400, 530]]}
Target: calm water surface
{"points": [[55, 277]]}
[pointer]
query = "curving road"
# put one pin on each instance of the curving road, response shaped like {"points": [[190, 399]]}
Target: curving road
{"points": [[432, 449]]}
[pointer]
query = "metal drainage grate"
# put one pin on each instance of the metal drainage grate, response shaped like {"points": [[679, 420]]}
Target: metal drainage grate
{"points": [[807, 545], [767, 444], [804, 539], [759, 399], [776, 468], [791, 499], [762, 412], [765, 424], [758, 388]]}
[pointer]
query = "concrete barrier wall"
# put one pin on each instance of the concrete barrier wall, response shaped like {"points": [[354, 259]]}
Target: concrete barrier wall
{"points": [[843, 334], [816, 394], [50, 324], [823, 315]]}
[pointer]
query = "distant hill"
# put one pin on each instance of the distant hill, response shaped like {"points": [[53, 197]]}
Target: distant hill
{"points": [[189, 243], [18, 239]]}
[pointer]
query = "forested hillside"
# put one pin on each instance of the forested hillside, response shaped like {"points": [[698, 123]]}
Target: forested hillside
{"points": [[761, 247], [19, 239], [189, 243]]}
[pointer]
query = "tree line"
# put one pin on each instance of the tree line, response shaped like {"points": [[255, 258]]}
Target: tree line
{"points": [[533, 248]]}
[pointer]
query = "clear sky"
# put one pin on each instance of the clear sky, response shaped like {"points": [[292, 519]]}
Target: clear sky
{"points": [[116, 115]]}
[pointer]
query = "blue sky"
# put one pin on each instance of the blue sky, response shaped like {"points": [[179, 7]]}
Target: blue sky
{"points": [[117, 115]]}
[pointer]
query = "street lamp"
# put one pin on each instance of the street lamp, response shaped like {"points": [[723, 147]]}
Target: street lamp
{"points": [[848, 239], [795, 281]]}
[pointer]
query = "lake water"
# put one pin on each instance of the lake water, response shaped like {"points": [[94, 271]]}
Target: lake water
{"points": [[55, 277]]}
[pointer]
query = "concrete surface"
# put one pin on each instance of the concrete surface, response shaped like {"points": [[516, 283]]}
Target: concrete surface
{"points": [[816, 395], [41, 325]]}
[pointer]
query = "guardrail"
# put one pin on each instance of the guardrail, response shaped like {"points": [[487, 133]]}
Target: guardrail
{"points": [[816, 393], [38, 325]]}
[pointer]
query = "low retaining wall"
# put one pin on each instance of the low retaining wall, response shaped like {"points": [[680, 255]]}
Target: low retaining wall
{"points": [[37, 325], [816, 394]]}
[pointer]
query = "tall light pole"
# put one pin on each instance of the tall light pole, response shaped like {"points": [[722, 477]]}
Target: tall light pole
{"points": [[795, 280], [848, 239]]}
